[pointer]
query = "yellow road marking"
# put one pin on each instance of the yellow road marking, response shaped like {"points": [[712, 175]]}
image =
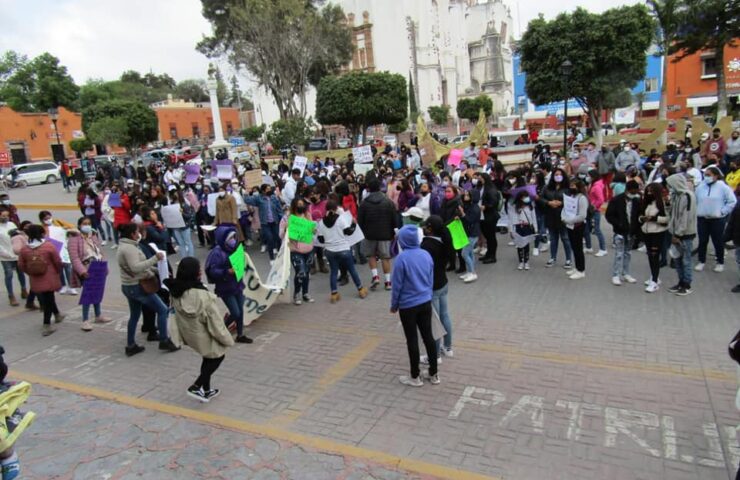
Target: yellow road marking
{"points": [[335, 373], [47, 206], [321, 444]]}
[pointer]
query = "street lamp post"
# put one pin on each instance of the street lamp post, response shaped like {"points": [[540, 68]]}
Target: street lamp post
{"points": [[565, 68], [54, 115]]}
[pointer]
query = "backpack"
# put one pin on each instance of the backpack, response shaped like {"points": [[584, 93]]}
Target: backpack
{"points": [[36, 265]]}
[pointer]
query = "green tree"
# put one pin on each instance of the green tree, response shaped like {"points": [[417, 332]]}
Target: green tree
{"points": [[286, 45], [666, 15], [254, 133], [10, 62], [110, 131], [469, 108], [709, 25], [222, 90], [358, 100], [607, 50], [439, 114], [413, 107], [193, 90], [39, 85], [140, 122], [289, 131], [80, 145], [131, 76], [399, 127]]}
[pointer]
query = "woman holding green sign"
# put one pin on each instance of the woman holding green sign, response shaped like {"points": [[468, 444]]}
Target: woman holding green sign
{"points": [[300, 229]]}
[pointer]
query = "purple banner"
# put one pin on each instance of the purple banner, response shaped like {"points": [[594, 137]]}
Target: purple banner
{"points": [[114, 200], [192, 172], [93, 287], [57, 244], [531, 189]]}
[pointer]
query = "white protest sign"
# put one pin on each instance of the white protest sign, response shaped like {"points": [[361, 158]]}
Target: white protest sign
{"points": [[259, 295], [362, 154], [300, 163], [211, 204], [162, 268], [570, 205], [357, 236], [60, 235], [362, 169], [171, 216]]}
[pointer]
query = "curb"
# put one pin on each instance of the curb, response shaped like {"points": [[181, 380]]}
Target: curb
{"points": [[46, 206]]}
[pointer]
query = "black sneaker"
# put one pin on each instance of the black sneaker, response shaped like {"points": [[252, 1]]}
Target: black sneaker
{"points": [[168, 346], [198, 394], [244, 339], [152, 336], [212, 393], [131, 351], [675, 288], [736, 288], [683, 291]]}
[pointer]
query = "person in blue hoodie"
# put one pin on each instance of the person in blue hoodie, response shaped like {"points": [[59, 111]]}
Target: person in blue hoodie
{"points": [[220, 272], [714, 203], [411, 297]]}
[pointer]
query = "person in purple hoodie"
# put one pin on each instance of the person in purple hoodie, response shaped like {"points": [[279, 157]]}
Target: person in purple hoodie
{"points": [[411, 297], [219, 271]]}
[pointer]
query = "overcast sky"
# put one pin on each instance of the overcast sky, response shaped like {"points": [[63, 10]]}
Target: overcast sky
{"points": [[102, 38]]}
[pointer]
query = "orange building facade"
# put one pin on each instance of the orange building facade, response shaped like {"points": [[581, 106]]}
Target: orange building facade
{"points": [[31, 136], [692, 82], [194, 123]]}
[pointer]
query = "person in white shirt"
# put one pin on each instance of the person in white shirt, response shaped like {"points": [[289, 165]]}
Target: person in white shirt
{"points": [[9, 258], [290, 186], [470, 153]]}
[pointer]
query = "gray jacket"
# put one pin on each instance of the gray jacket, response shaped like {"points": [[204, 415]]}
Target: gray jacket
{"points": [[605, 162], [626, 159], [133, 263], [682, 222]]}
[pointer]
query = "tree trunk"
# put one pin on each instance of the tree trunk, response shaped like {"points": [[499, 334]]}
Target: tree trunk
{"points": [[721, 87], [663, 104], [595, 117]]}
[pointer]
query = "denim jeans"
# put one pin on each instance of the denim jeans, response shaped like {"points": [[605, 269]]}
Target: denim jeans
{"points": [[622, 255], [345, 260], [86, 311], [65, 274], [562, 234], [596, 230], [108, 232], [136, 298], [10, 266], [184, 238], [235, 304], [541, 236], [271, 237], [713, 228], [302, 265], [468, 255], [684, 265], [439, 304]]}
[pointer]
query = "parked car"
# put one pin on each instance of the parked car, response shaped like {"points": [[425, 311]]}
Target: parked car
{"points": [[158, 155], [344, 143], [35, 172], [390, 140], [320, 143], [460, 139], [550, 132]]}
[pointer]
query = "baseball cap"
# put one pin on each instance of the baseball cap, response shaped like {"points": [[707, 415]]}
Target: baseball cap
{"points": [[130, 181], [415, 212]]}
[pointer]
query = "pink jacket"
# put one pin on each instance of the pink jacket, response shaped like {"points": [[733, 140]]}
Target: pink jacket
{"points": [[76, 249], [597, 194], [49, 281]]}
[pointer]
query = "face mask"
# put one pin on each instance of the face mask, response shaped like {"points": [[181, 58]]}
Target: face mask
{"points": [[449, 195], [627, 148], [231, 243], [710, 180], [558, 178], [47, 222], [475, 181], [573, 191], [4, 220], [268, 193], [222, 194], [300, 209], [688, 150], [581, 176], [467, 200], [87, 229], [512, 181], [6, 202], [445, 183], [198, 187], [633, 196], [526, 200]]}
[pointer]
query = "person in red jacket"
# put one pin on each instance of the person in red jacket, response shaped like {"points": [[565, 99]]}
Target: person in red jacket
{"points": [[122, 214], [44, 278]]}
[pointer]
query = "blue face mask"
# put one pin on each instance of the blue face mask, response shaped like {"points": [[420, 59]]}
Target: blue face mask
{"points": [[231, 243]]}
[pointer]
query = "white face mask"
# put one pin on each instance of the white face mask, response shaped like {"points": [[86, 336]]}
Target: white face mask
{"points": [[222, 194], [47, 222], [627, 148], [86, 229], [6, 202]]}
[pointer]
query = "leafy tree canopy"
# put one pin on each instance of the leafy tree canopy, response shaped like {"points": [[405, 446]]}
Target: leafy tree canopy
{"points": [[193, 90], [36, 85], [439, 114], [252, 134], [140, 121], [80, 145], [289, 131], [469, 108]]}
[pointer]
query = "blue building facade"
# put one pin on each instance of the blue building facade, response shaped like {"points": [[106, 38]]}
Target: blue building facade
{"points": [[650, 85]]}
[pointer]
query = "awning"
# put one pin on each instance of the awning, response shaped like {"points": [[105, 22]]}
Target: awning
{"points": [[572, 112], [650, 105], [701, 101], [535, 115]]}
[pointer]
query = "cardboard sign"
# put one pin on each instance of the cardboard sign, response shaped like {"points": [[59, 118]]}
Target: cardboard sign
{"points": [[300, 163], [300, 229], [172, 217], [93, 288], [362, 154], [114, 200], [238, 262], [459, 237], [455, 157], [253, 178], [570, 205]]}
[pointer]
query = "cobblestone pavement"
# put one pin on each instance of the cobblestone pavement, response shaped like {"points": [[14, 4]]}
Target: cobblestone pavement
{"points": [[551, 378]]}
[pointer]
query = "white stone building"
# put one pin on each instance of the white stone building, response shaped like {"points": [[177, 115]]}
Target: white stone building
{"points": [[450, 48]]}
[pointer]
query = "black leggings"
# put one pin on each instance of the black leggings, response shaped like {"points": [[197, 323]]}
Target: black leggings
{"points": [[48, 304], [654, 244], [207, 368], [419, 317], [575, 235], [523, 253], [488, 229]]}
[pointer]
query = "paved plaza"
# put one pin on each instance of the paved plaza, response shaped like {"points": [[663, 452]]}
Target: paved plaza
{"points": [[551, 379]]}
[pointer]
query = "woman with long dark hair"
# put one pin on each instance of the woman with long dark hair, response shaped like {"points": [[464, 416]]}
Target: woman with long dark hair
{"points": [[574, 220], [552, 203], [654, 218], [490, 204]]}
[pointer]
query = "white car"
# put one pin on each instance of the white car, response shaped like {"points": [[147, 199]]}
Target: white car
{"points": [[35, 172], [550, 132], [460, 139]]}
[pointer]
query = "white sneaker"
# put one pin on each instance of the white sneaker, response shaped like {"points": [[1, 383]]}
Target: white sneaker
{"points": [[73, 291], [578, 275], [719, 268], [588, 250], [272, 262], [424, 360], [616, 281], [699, 267], [463, 276], [650, 280], [600, 253], [471, 278], [526, 266], [433, 379], [64, 290], [520, 266], [447, 352], [652, 287], [263, 248], [570, 272], [250, 243], [483, 251], [297, 300], [642, 249], [536, 252], [476, 250], [113, 247], [274, 252], [545, 247], [411, 382], [629, 279], [103, 243]]}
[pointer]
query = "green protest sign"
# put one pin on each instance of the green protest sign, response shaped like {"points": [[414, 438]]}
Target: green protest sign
{"points": [[238, 262], [459, 237], [301, 229]]}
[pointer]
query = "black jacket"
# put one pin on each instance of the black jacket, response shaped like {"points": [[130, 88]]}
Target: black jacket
{"points": [[377, 217], [616, 215], [552, 215], [490, 200], [450, 209], [733, 226], [438, 250]]}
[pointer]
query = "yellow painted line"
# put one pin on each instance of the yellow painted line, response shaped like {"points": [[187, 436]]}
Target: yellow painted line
{"points": [[321, 444], [335, 373], [46, 206], [9, 311]]}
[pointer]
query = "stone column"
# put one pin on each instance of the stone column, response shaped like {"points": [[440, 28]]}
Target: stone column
{"points": [[218, 133]]}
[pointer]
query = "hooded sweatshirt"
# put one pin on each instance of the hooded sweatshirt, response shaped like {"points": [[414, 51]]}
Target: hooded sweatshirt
{"points": [[218, 264], [682, 223], [715, 200], [413, 272]]}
